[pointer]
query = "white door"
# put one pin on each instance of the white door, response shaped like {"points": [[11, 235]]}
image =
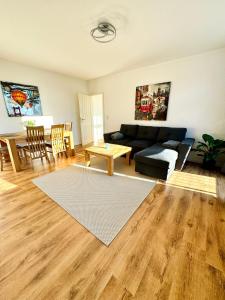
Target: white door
{"points": [[97, 114], [85, 105]]}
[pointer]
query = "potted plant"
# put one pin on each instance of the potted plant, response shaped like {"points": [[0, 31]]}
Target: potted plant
{"points": [[210, 150], [28, 123]]}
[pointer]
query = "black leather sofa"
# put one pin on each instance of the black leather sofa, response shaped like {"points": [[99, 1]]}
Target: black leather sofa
{"points": [[157, 151]]}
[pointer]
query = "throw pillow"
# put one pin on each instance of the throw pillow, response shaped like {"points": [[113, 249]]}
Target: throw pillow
{"points": [[171, 144], [117, 136]]}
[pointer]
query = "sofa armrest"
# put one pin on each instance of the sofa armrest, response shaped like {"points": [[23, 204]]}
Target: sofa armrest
{"points": [[183, 150], [188, 141], [107, 136]]}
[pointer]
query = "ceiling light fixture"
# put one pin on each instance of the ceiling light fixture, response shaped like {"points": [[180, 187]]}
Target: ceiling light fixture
{"points": [[104, 32]]}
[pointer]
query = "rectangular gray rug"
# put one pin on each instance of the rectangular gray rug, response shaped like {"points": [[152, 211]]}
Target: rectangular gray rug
{"points": [[103, 204]]}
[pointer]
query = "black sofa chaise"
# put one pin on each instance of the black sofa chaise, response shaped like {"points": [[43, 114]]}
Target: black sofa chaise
{"points": [[157, 151]]}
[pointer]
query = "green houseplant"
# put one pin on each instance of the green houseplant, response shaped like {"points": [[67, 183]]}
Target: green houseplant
{"points": [[210, 149]]}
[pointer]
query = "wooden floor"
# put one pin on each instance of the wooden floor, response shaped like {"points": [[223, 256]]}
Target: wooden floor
{"points": [[172, 248]]}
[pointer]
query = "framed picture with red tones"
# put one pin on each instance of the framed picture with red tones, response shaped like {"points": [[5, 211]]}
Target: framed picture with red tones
{"points": [[21, 100], [151, 101]]}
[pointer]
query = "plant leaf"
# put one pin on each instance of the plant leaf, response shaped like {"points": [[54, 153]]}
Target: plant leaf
{"points": [[201, 150], [208, 139], [202, 144], [219, 143]]}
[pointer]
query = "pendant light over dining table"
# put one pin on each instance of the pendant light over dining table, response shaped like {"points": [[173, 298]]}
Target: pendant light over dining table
{"points": [[104, 32]]}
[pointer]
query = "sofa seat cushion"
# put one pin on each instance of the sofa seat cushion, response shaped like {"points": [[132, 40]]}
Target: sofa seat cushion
{"points": [[147, 132], [141, 144], [157, 156], [129, 130], [170, 133]]}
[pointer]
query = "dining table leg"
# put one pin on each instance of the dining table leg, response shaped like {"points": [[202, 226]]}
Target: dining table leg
{"points": [[13, 154]]}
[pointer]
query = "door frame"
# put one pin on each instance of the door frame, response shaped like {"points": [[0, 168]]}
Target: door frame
{"points": [[103, 112]]}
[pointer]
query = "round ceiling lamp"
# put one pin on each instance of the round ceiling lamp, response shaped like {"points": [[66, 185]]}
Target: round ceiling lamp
{"points": [[104, 32]]}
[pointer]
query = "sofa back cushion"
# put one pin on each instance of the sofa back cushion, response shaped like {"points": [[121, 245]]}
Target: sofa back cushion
{"points": [[147, 133], [129, 130], [170, 133]]}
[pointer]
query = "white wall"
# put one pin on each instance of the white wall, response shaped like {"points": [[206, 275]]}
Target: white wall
{"points": [[58, 95], [197, 99]]}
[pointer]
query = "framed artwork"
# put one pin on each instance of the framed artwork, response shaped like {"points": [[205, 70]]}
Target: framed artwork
{"points": [[151, 101], [21, 100]]}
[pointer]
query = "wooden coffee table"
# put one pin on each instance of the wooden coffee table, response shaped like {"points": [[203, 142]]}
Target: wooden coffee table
{"points": [[110, 152]]}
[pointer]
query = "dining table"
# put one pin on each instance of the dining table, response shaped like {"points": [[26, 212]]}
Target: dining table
{"points": [[14, 138]]}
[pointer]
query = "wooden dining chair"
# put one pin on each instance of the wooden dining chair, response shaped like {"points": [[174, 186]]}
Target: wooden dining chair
{"points": [[56, 144], [67, 127], [3, 153], [35, 147]]}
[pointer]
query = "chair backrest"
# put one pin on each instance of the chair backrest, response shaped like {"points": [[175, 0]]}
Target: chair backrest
{"points": [[36, 141], [68, 126], [57, 138]]}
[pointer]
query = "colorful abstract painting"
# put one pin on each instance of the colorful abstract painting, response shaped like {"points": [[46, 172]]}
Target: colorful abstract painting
{"points": [[151, 102], [21, 100]]}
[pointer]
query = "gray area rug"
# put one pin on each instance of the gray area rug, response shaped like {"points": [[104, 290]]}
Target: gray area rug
{"points": [[120, 166], [103, 204]]}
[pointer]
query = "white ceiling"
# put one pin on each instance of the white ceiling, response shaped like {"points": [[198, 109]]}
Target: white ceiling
{"points": [[55, 35]]}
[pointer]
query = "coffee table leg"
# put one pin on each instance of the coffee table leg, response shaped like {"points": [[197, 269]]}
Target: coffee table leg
{"points": [[128, 158], [110, 166], [87, 159]]}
